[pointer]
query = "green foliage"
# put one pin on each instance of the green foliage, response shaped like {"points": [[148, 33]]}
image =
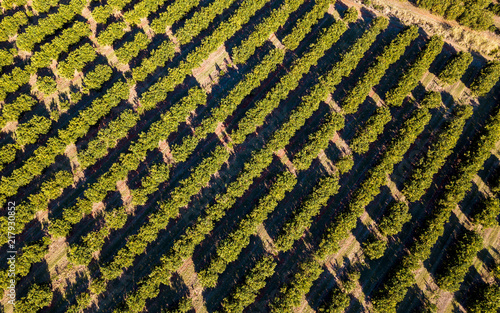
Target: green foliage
{"points": [[102, 13], [11, 82], [201, 20], [261, 33], [432, 100], [43, 5], [291, 295], [9, 4], [486, 79], [7, 57], [51, 50], [338, 302], [350, 15], [246, 292], [376, 71], [131, 49], [77, 127], [107, 138], [47, 26], [458, 259], [309, 208], [94, 79], [345, 164], [12, 111], [158, 58], [488, 212], [374, 248], [393, 219], [38, 297], [469, 13], [485, 299], [304, 25], [411, 77], [158, 173], [422, 176], [28, 133], [456, 67], [173, 13], [47, 85], [7, 154], [372, 129], [76, 60], [10, 25], [318, 141], [112, 33], [370, 187]]}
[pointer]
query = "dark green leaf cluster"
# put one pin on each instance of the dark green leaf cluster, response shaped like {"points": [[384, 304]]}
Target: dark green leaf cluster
{"points": [[485, 299], [374, 248], [458, 259], [350, 15], [38, 297], [245, 293], [487, 78], [338, 302], [411, 77], [456, 67], [394, 217]]}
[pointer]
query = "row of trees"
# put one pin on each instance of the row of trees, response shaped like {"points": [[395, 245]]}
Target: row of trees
{"points": [[8, 4], [129, 161], [485, 299], [369, 133], [11, 23], [256, 115], [376, 71], [230, 248], [184, 247], [42, 6], [173, 13], [395, 216], [142, 9], [76, 60], [487, 212], [38, 297], [246, 292], [12, 111], [158, 173], [45, 155], [7, 57], [411, 77], [48, 191], [305, 24], [94, 79], [261, 33], [11, 82], [455, 67], [302, 217], [471, 13], [423, 174], [107, 138], [487, 78], [394, 289], [28, 133], [158, 58], [318, 141], [346, 221], [103, 12], [458, 259], [200, 20], [34, 34], [7, 154], [113, 32], [131, 49], [159, 91]]}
